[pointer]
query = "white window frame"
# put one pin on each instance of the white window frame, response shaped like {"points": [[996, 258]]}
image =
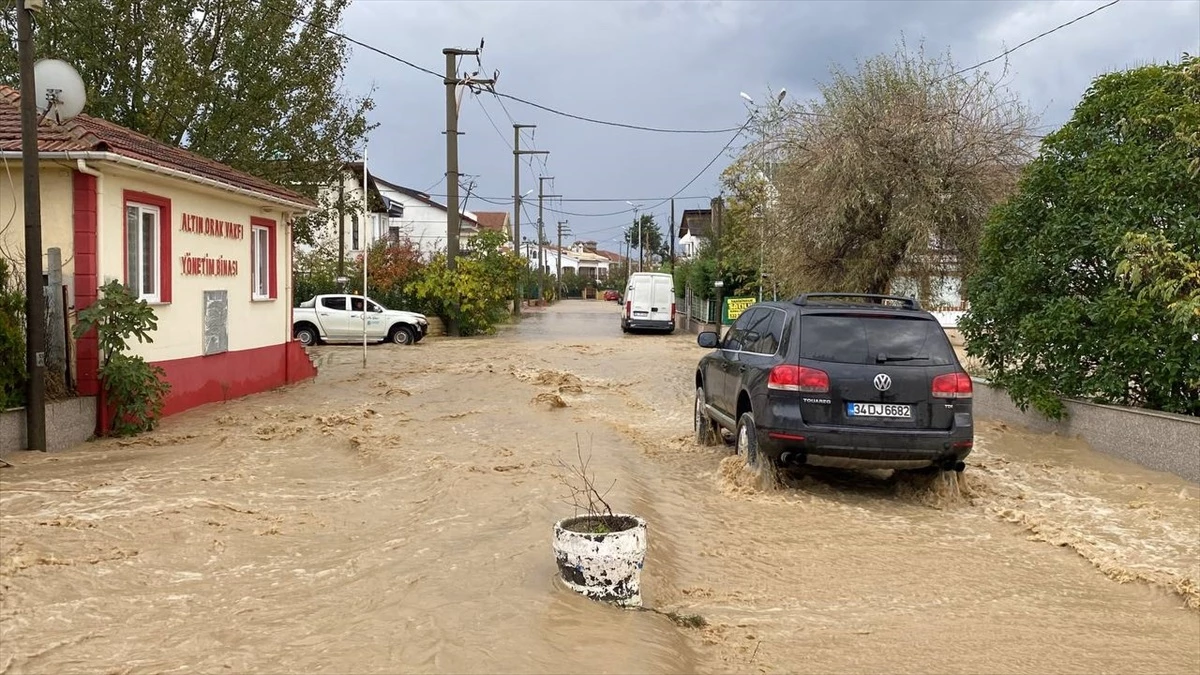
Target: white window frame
{"points": [[260, 258], [135, 284]]}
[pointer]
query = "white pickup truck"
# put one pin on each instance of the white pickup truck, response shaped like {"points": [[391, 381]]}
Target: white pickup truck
{"points": [[339, 318]]}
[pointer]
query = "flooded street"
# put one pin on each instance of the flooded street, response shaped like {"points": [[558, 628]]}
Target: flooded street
{"points": [[398, 519]]}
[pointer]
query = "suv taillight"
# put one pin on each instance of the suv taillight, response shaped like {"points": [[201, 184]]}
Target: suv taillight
{"points": [[798, 378], [952, 385]]}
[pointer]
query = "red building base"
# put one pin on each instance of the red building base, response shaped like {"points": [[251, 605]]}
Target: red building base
{"points": [[221, 377]]}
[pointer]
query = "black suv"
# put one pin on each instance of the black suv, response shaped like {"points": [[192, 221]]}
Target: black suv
{"points": [[836, 379]]}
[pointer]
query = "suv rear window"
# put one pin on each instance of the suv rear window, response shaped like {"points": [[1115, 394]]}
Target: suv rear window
{"points": [[843, 338]]}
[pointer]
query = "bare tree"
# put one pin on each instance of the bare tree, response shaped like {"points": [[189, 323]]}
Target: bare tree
{"points": [[892, 174]]}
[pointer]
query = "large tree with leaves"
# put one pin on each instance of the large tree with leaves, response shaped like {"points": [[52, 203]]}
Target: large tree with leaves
{"points": [[644, 235], [891, 173], [1089, 278], [256, 84]]}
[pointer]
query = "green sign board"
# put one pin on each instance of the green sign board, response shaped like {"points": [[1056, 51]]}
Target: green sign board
{"points": [[732, 308]]}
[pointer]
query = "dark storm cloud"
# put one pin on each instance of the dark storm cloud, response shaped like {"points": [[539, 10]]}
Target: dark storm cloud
{"points": [[682, 64]]}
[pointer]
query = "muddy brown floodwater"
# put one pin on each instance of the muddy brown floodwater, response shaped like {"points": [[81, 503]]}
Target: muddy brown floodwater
{"points": [[398, 519]]}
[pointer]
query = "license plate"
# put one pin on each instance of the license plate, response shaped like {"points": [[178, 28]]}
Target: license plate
{"points": [[894, 410]]}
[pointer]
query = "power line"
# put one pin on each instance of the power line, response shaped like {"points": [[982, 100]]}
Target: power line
{"points": [[622, 125], [349, 39], [1033, 39]]}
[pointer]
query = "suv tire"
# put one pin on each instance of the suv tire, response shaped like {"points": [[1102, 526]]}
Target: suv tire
{"points": [[746, 441], [705, 429]]}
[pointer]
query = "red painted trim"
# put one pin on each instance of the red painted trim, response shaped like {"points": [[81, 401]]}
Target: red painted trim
{"points": [[164, 234], [272, 256], [85, 205], [221, 377]]}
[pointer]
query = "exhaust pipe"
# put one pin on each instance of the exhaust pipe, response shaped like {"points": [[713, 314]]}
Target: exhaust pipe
{"points": [[959, 466], [790, 458]]}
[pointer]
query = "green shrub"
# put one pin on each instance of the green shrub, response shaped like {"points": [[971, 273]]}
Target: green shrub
{"points": [[476, 294], [12, 340], [135, 389], [1083, 284]]}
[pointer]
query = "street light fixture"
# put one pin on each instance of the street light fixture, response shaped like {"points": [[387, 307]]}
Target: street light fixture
{"points": [[638, 222], [764, 170]]}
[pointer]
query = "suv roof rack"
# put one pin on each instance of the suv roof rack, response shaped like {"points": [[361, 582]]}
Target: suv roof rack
{"points": [[905, 302]]}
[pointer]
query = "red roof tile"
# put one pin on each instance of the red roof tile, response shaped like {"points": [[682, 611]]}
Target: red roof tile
{"points": [[86, 133], [492, 220]]}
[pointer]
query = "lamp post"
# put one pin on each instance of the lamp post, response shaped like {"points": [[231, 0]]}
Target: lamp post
{"points": [[638, 222], [764, 169]]}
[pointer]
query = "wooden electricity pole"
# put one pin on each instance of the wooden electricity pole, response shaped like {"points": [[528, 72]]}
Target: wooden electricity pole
{"points": [[542, 236], [517, 152], [453, 216], [35, 296]]}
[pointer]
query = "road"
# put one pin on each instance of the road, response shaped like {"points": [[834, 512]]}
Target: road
{"points": [[398, 519]]}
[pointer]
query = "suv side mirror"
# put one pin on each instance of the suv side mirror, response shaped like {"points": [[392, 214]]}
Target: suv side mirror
{"points": [[708, 339]]}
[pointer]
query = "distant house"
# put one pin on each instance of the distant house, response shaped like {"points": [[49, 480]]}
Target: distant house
{"points": [[496, 221], [394, 212], [695, 226], [581, 258]]}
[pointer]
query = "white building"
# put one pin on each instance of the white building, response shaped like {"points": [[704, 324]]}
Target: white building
{"points": [[393, 212], [695, 227], [581, 259]]}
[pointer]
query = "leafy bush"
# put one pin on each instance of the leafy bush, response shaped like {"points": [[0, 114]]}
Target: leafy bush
{"points": [[394, 266], [135, 389], [476, 294], [12, 341], [1070, 298]]}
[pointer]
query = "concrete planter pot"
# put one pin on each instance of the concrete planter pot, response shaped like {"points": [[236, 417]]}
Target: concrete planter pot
{"points": [[601, 557]]}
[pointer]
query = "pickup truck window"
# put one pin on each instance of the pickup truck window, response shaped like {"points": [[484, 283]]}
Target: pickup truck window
{"points": [[356, 304], [334, 302], [372, 307]]}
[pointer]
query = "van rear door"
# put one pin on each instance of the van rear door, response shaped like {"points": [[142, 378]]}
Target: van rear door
{"points": [[663, 296]]}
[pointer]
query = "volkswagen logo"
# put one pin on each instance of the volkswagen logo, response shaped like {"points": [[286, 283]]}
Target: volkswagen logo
{"points": [[883, 382]]}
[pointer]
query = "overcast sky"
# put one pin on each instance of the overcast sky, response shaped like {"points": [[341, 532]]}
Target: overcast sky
{"points": [[682, 65]]}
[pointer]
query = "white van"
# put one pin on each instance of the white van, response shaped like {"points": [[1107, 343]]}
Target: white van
{"points": [[649, 302]]}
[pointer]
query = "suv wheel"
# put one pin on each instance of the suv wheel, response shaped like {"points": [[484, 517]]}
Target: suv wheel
{"points": [[747, 440], [706, 432], [747, 447]]}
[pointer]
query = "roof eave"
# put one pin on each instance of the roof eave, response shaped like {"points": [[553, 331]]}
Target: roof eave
{"points": [[92, 155]]}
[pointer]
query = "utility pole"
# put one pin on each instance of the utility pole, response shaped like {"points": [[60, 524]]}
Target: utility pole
{"points": [[341, 229], [672, 230], [562, 226], [517, 152], [35, 297], [453, 215], [542, 236], [718, 215]]}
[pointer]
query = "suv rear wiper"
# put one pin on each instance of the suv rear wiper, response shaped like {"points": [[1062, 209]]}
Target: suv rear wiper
{"points": [[884, 358]]}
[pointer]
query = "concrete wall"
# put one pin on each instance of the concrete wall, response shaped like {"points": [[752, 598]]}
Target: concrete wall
{"points": [[68, 423], [1155, 440]]}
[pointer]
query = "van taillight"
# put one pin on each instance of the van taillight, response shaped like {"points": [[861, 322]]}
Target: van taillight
{"points": [[952, 385], [798, 378], [672, 311], [628, 308]]}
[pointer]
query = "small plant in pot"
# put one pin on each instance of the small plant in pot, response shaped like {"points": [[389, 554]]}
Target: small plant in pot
{"points": [[600, 554]]}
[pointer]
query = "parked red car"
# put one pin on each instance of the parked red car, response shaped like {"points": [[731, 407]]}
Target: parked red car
{"points": [[611, 296]]}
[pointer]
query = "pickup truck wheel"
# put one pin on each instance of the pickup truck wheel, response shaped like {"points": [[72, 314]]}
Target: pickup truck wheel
{"points": [[402, 335], [306, 335]]}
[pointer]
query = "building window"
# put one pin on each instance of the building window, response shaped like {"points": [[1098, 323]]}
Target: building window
{"points": [[262, 257], [148, 247], [394, 229], [354, 232]]}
